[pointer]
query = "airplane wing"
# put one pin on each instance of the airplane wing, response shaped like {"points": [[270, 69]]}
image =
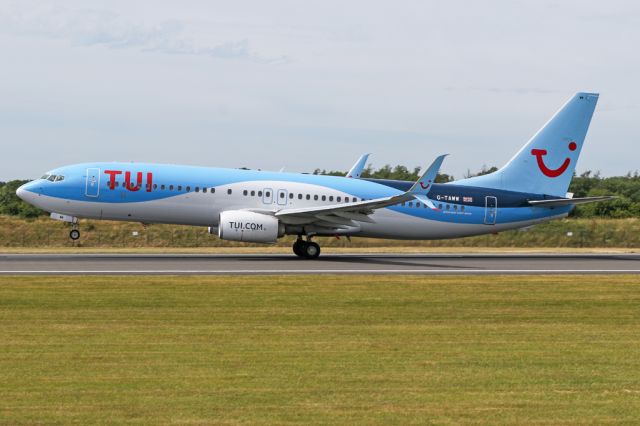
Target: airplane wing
{"points": [[569, 201], [356, 169], [348, 214]]}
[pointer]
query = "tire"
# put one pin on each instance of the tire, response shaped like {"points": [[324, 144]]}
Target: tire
{"points": [[298, 248], [311, 251], [74, 234]]}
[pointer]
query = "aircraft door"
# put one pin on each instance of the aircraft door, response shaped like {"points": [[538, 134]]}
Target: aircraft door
{"points": [[282, 197], [267, 196], [490, 210], [92, 186]]}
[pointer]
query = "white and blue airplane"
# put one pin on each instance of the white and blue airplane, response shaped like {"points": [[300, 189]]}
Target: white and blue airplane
{"points": [[261, 206]]}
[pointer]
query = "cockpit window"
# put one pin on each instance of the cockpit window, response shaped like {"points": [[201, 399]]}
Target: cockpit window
{"points": [[52, 178]]}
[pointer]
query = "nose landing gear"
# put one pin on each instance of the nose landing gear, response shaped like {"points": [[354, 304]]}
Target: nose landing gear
{"points": [[306, 249], [74, 234]]}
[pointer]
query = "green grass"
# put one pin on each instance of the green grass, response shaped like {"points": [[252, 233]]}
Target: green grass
{"points": [[320, 349], [47, 233]]}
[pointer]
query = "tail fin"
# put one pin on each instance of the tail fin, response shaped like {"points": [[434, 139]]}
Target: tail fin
{"points": [[546, 163]]}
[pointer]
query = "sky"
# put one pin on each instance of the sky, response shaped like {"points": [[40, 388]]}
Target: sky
{"points": [[311, 84]]}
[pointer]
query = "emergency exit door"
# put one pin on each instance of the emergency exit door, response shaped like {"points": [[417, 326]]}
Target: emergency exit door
{"points": [[490, 210], [92, 188]]}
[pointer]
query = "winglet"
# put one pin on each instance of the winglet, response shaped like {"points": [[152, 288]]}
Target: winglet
{"points": [[357, 168], [428, 177], [422, 185]]}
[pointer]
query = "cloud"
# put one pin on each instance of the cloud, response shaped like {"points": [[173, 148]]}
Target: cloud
{"points": [[94, 27]]}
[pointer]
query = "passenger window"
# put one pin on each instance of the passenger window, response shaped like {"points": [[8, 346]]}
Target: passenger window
{"points": [[197, 189], [324, 198], [266, 194], [403, 203], [281, 194], [455, 207], [461, 208], [245, 192], [213, 190], [204, 190], [179, 187], [331, 198], [299, 196], [170, 187], [291, 195], [315, 197], [448, 206], [417, 205], [338, 199], [155, 186], [308, 197], [439, 206], [188, 188], [259, 193], [411, 204], [346, 199], [161, 187], [253, 193], [229, 191]]}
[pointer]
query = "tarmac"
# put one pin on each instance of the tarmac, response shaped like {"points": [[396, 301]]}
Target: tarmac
{"points": [[285, 264]]}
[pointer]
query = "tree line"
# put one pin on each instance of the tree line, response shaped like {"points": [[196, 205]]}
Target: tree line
{"points": [[587, 184]]}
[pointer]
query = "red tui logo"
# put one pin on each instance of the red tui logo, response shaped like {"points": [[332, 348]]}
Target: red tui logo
{"points": [[425, 186], [552, 173], [127, 180]]}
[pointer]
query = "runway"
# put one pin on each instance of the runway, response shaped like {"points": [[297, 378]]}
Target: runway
{"points": [[277, 264]]}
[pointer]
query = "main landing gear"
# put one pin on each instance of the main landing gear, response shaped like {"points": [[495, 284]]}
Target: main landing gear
{"points": [[306, 249]]}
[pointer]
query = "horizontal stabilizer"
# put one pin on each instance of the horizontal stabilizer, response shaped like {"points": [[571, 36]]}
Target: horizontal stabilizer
{"points": [[569, 201]]}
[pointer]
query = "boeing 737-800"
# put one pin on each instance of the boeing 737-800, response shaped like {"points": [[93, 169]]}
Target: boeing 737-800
{"points": [[260, 206]]}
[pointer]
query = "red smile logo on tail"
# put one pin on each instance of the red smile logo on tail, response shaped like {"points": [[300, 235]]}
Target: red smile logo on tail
{"points": [[425, 186], [552, 173]]}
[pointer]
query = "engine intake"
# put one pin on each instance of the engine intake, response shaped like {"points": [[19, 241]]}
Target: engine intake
{"points": [[240, 225]]}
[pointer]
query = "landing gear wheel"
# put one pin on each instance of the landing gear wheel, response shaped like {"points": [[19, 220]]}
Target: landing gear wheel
{"points": [[74, 234], [311, 250], [298, 248]]}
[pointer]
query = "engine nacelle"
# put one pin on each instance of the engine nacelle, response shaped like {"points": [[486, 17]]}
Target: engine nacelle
{"points": [[240, 225]]}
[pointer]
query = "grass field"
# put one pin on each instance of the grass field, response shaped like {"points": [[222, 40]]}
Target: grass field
{"points": [[330, 349], [41, 233]]}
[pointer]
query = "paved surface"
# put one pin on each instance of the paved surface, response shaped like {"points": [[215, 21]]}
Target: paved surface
{"points": [[140, 264]]}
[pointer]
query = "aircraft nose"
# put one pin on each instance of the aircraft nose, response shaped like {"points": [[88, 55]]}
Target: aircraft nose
{"points": [[25, 190], [20, 192]]}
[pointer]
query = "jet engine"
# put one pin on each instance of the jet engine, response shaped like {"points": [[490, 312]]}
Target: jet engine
{"points": [[250, 227]]}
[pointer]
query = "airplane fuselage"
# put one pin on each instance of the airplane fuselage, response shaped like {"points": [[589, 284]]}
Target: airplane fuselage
{"points": [[156, 193]]}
